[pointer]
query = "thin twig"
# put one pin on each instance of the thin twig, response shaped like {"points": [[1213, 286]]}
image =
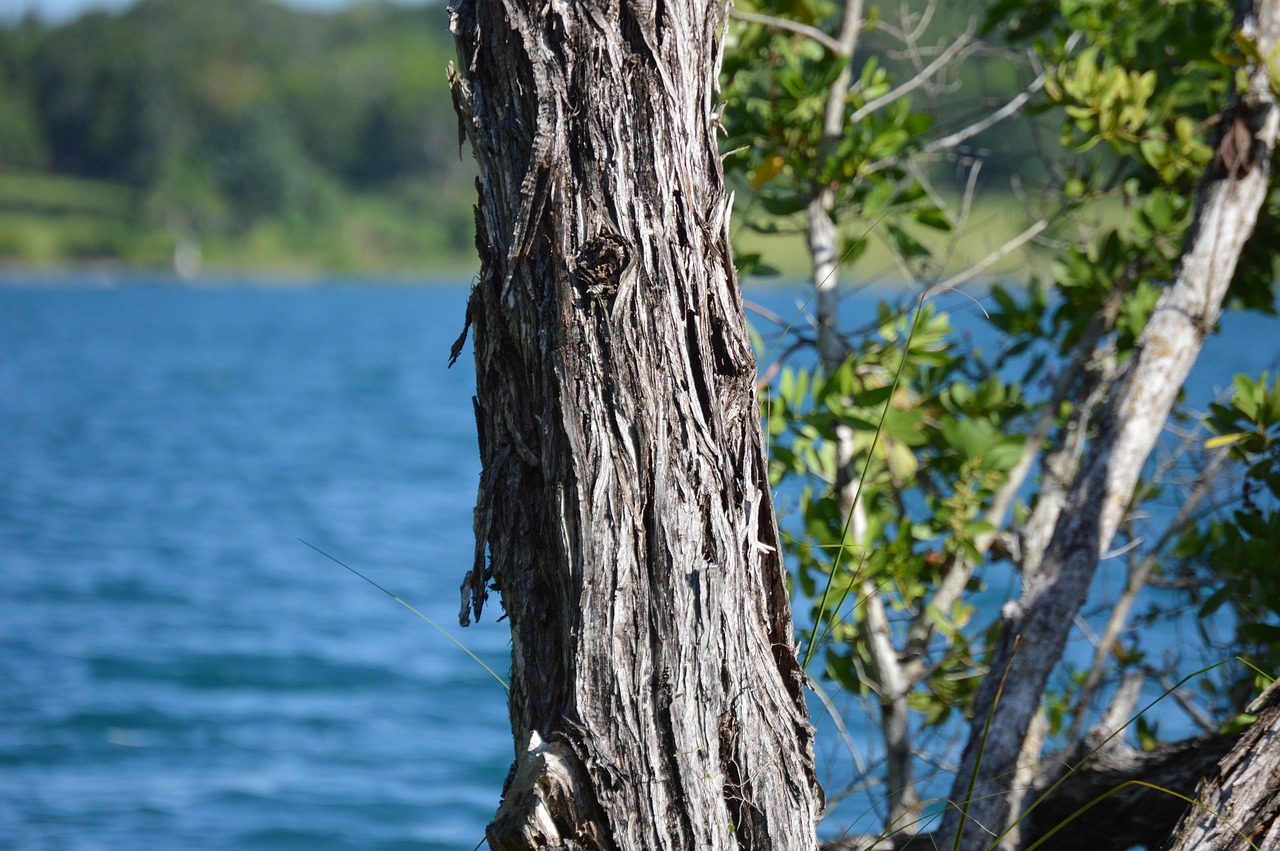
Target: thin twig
{"points": [[845, 736], [805, 30], [995, 256], [1203, 721], [944, 58], [1015, 103]]}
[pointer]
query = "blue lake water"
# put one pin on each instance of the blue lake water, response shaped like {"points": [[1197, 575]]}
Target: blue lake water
{"points": [[176, 669]]}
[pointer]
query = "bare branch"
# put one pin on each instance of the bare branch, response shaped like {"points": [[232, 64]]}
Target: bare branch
{"points": [[942, 60], [995, 256], [821, 230], [1011, 108], [1179, 695], [837, 720], [1137, 580], [965, 133], [833, 121], [812, 33]]}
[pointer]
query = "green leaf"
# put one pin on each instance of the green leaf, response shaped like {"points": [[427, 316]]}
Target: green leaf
{"points": [[939, 619], [1215, 601], [875, 396], [1147, 734], [1246, 46], [1003, 456], [1238, 724], [1224, 440], [782, 203], [1264, 633], [902, 461], [933, 218]]}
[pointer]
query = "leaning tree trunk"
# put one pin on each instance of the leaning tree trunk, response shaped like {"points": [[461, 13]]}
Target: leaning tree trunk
{"points": [[1238, 808], [1036, 628], [624, 512]]}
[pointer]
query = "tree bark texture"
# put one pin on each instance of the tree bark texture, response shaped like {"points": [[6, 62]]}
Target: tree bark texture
{"points": [[1036, 628], [1238, 808], [624, 512]]}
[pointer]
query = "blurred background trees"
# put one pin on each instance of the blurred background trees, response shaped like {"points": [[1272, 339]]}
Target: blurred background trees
{"points": [[265, 135], [271, 137]]}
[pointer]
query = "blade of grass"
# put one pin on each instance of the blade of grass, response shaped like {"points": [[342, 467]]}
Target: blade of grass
{"points": [[819, 637], [834, 619], [444, 631], [982, 747], [1192, 801]]}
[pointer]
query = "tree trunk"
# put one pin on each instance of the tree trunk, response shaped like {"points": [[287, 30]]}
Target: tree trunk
{"points": [[1036, 629], [1238, 808], [624, 512]]}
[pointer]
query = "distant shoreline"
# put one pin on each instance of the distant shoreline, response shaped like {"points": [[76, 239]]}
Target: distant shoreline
{"points": [[107, 275]]}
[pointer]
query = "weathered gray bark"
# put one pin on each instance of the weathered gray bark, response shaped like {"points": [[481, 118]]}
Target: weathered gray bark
{"points": [[624, 512], [1036, 628], [1238, 808]]}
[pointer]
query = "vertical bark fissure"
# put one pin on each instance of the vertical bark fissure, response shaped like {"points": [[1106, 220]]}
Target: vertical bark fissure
{"points": [[623, 502]]}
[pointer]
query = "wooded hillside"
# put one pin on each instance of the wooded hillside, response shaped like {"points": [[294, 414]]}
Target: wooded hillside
{"points": [[266, 135]]}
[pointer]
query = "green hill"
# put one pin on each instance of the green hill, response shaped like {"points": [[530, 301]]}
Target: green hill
{"points": [[249, 133]]}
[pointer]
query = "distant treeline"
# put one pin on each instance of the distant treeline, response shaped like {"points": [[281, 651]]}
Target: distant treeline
{"points": [[242, 133], [244, 127]]}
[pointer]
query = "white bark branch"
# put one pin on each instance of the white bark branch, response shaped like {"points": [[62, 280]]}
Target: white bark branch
{"points": [[904, 799], [1136, 581]]}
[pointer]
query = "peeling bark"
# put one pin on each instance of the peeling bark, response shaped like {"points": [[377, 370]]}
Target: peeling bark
{"points": [[1238, 808], [623, 513], [1227, 210]]}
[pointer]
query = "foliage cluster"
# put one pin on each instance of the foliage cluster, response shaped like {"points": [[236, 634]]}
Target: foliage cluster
{"points": [[913, 453], [1236, 550]]}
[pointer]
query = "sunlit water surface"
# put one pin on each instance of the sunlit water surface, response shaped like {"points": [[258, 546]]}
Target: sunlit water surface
{"points": [[177, 670]]}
